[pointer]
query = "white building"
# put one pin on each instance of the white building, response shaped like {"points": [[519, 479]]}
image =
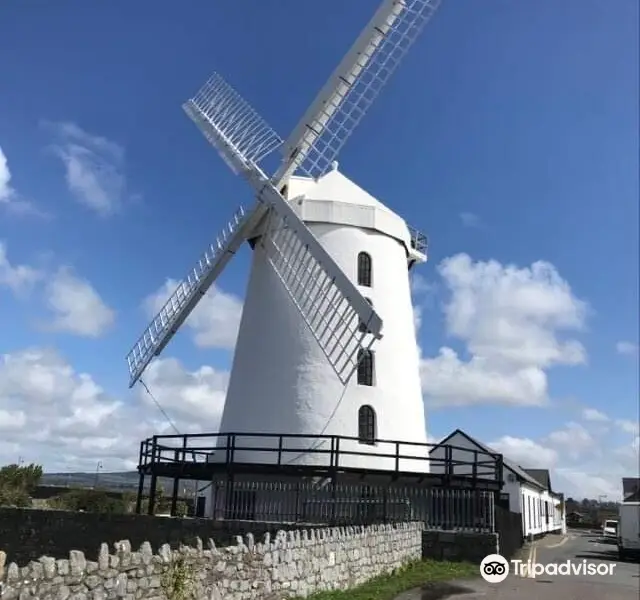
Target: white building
{"points": [[527, 491], [281, 382]]}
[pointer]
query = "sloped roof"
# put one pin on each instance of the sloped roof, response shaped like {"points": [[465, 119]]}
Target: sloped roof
{"points": [[542, 476], [516, 469]]}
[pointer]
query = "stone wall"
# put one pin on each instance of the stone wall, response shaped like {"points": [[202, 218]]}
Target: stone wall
{"points": [[27, 534], [294, 563], [458, 545]]}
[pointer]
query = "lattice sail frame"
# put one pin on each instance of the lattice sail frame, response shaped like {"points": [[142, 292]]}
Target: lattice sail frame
{"points": [[339, 317], [188, 293], [232, 126], [354, 85]]}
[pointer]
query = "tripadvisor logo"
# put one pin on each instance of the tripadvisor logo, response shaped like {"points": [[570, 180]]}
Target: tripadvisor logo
{"points": [[495, 568]]}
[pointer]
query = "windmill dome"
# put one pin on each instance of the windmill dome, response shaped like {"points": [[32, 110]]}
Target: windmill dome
{"points": [[334, 198], [334, 184]]}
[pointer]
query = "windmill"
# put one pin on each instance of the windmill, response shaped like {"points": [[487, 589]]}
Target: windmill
{"points": [[330, 263]]}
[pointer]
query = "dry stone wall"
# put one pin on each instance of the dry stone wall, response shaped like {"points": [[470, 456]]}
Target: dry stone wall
{"points": [[293, 563]]}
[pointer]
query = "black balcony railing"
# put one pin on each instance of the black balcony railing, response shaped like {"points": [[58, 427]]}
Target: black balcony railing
{"points": [[322, 452]]}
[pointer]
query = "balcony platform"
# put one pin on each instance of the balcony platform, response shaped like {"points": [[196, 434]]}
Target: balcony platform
{"points": [[288, 458]]}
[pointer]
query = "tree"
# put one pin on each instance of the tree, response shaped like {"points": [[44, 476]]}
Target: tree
{"points": [[17, 483], [163, 504], [90, 500]]}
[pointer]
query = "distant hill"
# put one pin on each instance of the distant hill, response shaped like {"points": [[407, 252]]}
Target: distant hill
{"points": [[123, 481]]}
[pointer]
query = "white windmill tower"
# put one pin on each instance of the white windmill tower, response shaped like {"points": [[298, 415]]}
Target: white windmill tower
{"points": [[330, 266]]}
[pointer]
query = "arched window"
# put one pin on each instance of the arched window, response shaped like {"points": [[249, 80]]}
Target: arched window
{"points": [[366, 425], [363, 326], [364, 269], [365, 367]]}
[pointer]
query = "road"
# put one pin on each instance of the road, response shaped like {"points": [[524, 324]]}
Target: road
{"points": [[622, 584], [584, 546]]}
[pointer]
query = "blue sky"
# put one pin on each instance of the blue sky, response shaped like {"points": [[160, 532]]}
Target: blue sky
{"points": [[509, 134]]}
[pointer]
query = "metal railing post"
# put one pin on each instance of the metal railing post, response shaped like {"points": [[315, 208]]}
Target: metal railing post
{"points": [[140, 491]]}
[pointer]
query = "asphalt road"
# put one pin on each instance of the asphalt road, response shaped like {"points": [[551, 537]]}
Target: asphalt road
{"points": [[622, 584], [592, 548]]}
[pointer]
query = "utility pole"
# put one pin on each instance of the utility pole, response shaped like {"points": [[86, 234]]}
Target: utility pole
{"points": [[98, 467]]}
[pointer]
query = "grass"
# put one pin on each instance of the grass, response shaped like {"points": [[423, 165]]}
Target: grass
{"points": [[414, 575]]}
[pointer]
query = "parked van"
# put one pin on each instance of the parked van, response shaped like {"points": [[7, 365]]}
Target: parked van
{"points": [[629, 529], [610, 530]]}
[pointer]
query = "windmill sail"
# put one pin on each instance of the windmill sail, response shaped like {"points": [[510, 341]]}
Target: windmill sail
{"points": [[327, 300], [354, 85], [329, 303], [239, 134], [188, 293], [289, 243]]}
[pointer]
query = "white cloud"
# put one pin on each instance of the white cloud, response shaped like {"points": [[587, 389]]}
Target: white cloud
{"points": [[215, 320], [470, 219], [6, 191], [194, 399], [630, 453], [628, 426], [420, 285], [18, 278], [600, 473], [525, 452], [53, 415], [627, 348], [94, 167], [9, 198], [574, 441], [417, 317], [449, 381], [11, 420], [510, 320], [581, 484], [76, 306], [592, 414], [583, 463], [423, 294]]}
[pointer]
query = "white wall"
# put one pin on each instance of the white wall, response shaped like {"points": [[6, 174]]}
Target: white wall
{"points": [[281, 381], [534, 504]]}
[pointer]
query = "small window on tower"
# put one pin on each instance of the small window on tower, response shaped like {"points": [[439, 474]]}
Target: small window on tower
{"points": [[366, 425], [365, 367], [364, 269], [362, 328]]}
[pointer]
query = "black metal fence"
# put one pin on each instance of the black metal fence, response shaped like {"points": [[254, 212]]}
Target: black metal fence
{"points": [[324, 503]]}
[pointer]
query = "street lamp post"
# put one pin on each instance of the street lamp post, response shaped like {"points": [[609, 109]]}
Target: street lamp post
{"points": [[98, 467]]}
